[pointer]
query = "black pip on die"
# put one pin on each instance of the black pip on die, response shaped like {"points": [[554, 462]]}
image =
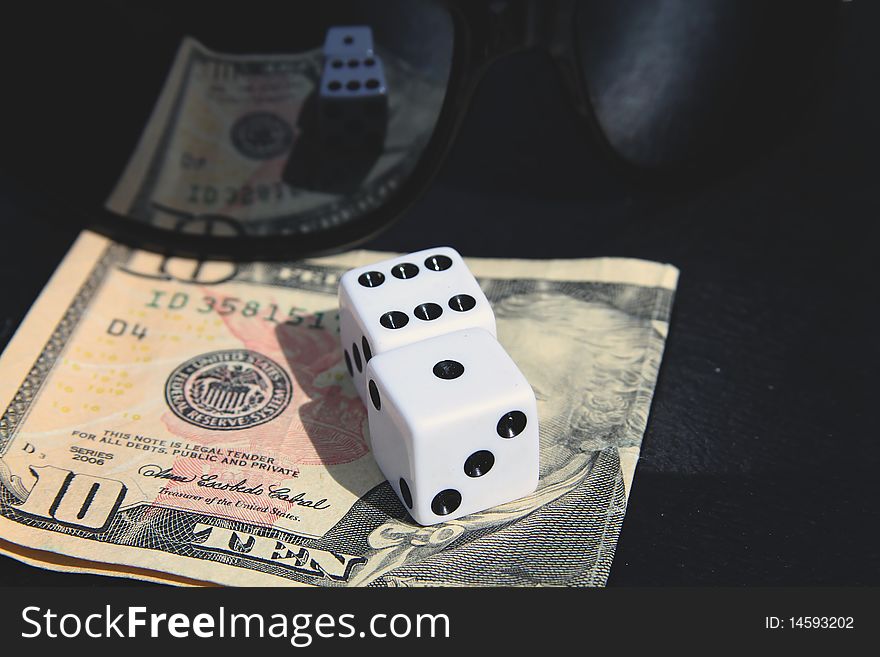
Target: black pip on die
{"points": [[453, 424], [403, 300]]}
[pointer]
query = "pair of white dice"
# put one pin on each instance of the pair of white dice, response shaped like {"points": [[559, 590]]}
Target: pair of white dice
{"points": [[453, 422]]}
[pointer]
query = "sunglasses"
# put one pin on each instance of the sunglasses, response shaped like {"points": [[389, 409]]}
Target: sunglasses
{"points": [[340, 123]]}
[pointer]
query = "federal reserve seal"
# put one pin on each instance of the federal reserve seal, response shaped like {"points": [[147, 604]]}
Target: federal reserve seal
{"points": [[228, 390], [261, 135]]}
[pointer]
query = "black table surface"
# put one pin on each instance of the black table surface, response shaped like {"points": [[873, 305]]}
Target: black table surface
{"points": [[760, 458]]}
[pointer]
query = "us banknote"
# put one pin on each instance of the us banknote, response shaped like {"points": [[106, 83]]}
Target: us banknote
{"points": [[223, 138], [193, 422]]}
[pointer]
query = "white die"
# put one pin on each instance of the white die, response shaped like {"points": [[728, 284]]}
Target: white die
{"points": [[453, 425], [403, 300]]}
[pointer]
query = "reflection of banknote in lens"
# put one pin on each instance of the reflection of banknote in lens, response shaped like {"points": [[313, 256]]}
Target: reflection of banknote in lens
{"points": [[225, 127], [170, 419]]}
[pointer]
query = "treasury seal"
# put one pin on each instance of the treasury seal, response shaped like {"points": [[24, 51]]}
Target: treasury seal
{"points": [[228, 390], [261, 135]]}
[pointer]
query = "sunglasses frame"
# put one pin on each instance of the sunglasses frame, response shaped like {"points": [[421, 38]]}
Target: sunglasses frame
{"points": [[483, 32]]}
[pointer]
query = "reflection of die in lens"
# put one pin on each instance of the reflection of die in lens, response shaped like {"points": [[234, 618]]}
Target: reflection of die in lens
{"points": [[352, 113], [353, 104]]}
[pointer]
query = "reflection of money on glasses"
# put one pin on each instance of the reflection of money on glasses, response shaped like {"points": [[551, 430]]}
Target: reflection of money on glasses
{"points": [[258, 147], [327, 140]]}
